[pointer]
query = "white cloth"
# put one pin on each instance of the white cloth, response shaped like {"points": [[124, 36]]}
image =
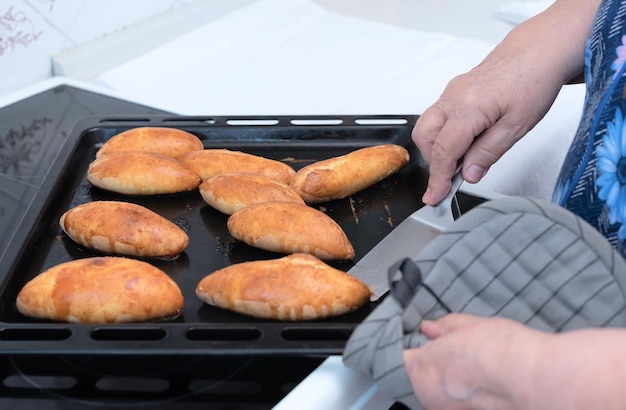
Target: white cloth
{"points": [[278, 57]]}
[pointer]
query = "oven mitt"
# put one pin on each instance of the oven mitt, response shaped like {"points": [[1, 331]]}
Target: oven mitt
{"points": [[526, 260]]}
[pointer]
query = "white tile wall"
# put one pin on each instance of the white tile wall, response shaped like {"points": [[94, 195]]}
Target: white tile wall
{"points": [[33, 30]]}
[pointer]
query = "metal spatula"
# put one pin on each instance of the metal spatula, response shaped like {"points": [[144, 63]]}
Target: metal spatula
{"points": [[406, 240]]}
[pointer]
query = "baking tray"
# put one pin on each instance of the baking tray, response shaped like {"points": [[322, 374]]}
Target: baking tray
{"points": [[366, 217]]}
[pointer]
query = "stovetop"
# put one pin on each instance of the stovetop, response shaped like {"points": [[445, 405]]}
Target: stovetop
{"points": [[166, 382], [32, 132]]}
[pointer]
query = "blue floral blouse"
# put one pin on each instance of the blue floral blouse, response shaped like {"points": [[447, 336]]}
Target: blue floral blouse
{"points": [[592, 181]]}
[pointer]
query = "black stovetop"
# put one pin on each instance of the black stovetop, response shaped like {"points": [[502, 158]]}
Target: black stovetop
{"points": [[32, 132], [148, 383]]}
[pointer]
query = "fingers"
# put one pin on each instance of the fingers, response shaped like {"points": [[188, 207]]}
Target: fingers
{"points": [[430, 134], [489, 147], [427, 129], [480, 146], [445, 153], [441, 371], [442, 141], [448, 323], [447, 131], [474, 119]]}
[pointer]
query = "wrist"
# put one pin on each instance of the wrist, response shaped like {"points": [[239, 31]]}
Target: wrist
{"points": [[514, 368]]}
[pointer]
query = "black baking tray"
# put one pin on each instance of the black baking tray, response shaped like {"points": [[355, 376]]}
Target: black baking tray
{"points": [[366, 217]]}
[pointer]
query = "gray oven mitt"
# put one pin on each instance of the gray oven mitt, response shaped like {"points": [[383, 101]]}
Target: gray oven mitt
{"points": [[527, 260]]}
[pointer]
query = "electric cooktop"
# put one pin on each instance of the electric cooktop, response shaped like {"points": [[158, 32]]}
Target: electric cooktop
{"points": [[32, 132]]}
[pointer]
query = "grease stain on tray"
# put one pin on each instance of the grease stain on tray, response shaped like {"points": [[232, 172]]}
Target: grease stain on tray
{"points": [[182, 223], [225, 244], [389, 218], [353, 209], [293, 160]]}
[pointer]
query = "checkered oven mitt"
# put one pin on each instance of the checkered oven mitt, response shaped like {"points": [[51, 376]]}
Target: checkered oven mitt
{"points": [[530, 261]]}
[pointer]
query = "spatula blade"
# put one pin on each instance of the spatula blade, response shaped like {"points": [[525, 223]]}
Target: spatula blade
{"points": [[406, 240]]}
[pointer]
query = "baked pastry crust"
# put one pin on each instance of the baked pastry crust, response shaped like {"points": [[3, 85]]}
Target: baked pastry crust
{"points": [[123, 228], [229, 193], [101, 290], [171, 142], [141, 173], [345, 175], [288, 227], [211, 162], [295, 287]]}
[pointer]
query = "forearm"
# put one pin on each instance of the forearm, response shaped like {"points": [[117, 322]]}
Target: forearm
{"points": [[481, 114], [582, 369], [575, 370], [553, 42], [495, 363]]}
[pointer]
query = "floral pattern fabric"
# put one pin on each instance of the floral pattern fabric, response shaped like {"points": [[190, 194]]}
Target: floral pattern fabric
{"points": [[592, 181]]}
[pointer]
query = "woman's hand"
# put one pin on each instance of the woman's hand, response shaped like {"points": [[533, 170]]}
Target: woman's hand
{"points": [[493, 363], [474, 363], [479, 116], [482, 113]]}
